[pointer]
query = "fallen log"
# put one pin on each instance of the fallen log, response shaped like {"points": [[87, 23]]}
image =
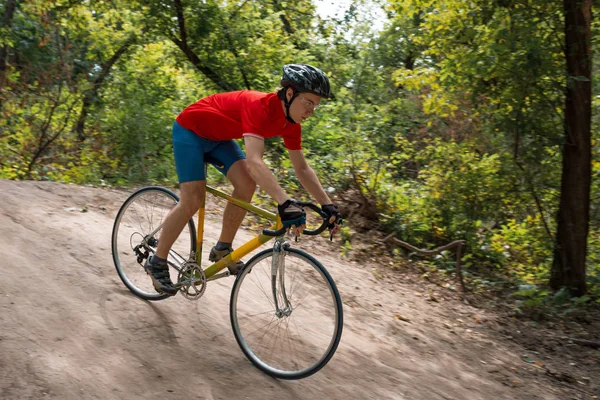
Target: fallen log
{"points": [[428, 253]]}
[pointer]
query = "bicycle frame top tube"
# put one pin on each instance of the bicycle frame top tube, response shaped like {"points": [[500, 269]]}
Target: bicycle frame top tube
{"points": [[243, 204], [247, 247]]}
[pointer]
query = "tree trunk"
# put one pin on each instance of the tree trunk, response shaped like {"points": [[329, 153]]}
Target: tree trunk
{"points": [[568, 268], [9, 11]]}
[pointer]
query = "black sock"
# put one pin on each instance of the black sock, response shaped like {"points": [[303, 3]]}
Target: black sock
{"points": [[222, 246], [157, 260]]}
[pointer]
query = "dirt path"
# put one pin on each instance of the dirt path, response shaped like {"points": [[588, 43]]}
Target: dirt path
{"points": [[69, 329]]}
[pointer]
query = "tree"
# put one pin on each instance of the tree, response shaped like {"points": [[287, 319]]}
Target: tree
{"points": [[7, 17], [568, 268]]}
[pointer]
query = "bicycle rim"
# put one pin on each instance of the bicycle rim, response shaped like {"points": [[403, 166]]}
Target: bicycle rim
{"points": [[142, 213], [290, 346]]}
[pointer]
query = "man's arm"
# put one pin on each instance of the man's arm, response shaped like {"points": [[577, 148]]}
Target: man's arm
{"points": [[307, 177], [262, 175]]}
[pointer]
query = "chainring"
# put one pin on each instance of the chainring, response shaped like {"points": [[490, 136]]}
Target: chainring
{"points": [[191, 281]]}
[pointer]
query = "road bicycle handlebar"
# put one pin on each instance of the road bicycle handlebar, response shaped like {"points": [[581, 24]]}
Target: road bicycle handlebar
{"points": [[310, 232]]}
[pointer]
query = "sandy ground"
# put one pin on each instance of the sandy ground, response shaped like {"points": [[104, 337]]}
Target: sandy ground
{"points": [[69, 329]]}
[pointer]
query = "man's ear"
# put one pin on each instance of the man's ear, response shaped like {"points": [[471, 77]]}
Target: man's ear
{"points": [[289, 92]]}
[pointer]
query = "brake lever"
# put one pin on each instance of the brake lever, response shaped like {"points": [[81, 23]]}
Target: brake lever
{"points": [[334, 225]]}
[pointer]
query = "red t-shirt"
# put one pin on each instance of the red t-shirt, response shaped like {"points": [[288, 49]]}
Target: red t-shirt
{"points": [[226, 116]]}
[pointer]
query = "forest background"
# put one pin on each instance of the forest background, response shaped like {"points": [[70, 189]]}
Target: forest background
{"points": [[453, 119]]}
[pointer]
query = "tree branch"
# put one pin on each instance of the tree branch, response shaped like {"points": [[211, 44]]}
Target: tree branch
{"points": [[237, 57], [428, 253], [193, 57], [92, 94]]}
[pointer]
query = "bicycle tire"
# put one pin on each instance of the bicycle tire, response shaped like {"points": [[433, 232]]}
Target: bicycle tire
{"points": [[245, 308], [125, 235]]}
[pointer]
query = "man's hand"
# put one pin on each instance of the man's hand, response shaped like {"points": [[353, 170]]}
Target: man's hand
{"points": [[334, 218], [292, 216]]}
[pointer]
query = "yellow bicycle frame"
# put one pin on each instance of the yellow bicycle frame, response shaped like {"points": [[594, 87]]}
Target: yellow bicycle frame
{"points": [[241, 251]]}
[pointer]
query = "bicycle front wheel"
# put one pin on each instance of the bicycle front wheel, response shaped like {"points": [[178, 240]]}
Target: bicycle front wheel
{"points": [[136, 233], [289, 322]]}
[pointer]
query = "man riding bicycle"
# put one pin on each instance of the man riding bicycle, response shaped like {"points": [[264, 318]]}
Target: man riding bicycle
{"points": [[204, 133]]}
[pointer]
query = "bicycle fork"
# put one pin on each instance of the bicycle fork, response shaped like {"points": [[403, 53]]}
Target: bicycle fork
{"points": [[278, 275]]}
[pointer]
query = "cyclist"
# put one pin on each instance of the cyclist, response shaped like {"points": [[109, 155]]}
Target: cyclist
{"points": [[205, 132]]}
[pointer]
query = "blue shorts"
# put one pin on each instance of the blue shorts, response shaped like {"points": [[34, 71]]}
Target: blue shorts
{"points": [[192, 151]]}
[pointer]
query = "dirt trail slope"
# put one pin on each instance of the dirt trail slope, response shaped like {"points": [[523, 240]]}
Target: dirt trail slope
{"points": [[69, 329]]}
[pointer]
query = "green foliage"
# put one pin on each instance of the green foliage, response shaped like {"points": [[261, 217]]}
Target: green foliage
{"points": [[405, 213], [524, 250], [535, 301], [464, 190], [346, 240], [593, 264], [143, 100]]}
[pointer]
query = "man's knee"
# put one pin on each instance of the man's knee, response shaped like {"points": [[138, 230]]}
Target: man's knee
{"points": [[189, 207], [241, 179], [246, 186], [191, 200]]}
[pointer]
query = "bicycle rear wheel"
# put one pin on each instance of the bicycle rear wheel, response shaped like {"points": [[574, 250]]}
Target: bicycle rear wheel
{"points": [[133, 242], [287, 340]]}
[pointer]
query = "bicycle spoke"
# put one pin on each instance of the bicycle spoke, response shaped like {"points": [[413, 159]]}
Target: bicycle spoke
{"points": [[250, 333], [271, 326], [268, 296]]}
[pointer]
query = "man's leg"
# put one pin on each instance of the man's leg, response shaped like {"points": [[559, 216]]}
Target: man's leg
{"points": [[189, 150], [192, 193], [243, 189], [191, 196]]}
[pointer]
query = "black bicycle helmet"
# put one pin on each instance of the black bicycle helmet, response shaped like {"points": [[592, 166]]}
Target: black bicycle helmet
{"points": [[306, 78], [303, 78]]}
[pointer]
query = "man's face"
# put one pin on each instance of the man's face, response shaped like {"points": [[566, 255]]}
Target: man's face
{"points": [[304, 105]]}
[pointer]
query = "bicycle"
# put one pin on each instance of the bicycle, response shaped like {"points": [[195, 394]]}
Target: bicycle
{"points": [[285, 309]]}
